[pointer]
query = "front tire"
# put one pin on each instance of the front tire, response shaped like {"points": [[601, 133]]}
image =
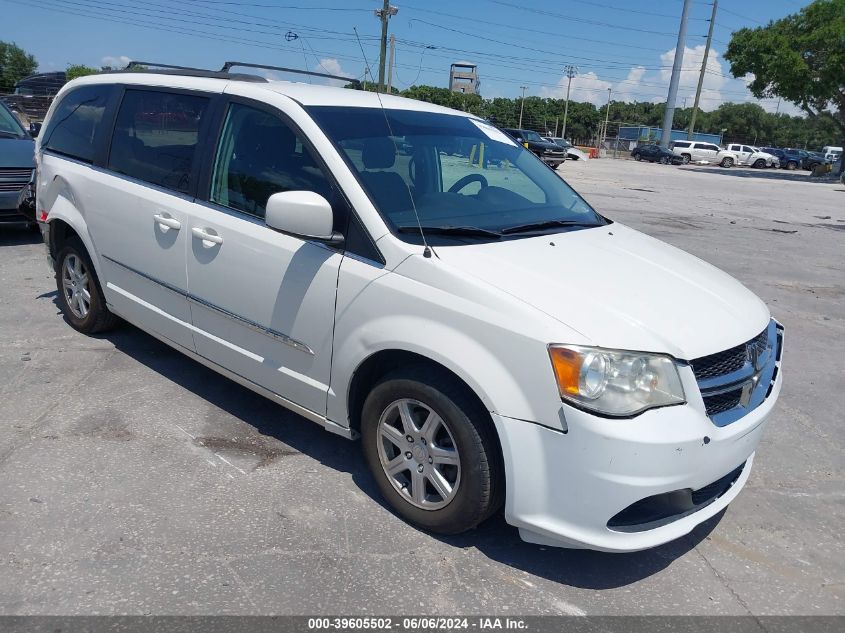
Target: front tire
{"points": [[686, 158], [432, 451], [760, 163], [80, 296], [727, 162], [637, 157]]}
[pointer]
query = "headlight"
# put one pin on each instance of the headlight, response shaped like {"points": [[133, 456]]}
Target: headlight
{"points": [[615, 382]]}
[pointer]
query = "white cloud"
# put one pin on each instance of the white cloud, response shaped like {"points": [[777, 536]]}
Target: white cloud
{"points": [[115, 62], [586, 87], [714, 81], [331, 66]]}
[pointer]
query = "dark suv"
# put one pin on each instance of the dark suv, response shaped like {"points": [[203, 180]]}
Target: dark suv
{"points": [[789, 158], [550, 153]]}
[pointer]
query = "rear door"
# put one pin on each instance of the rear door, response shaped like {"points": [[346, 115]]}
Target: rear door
{"points": [[262, 301], [139, 215]]}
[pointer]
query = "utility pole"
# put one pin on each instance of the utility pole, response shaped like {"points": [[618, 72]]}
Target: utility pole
{"points": [[570, 71], [669, 115], [522, 105], [606, 119], [703, 68], [390, 63], [384, 15]]}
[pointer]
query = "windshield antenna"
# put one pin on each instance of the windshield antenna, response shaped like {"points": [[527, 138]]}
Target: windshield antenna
{"points": [[426, 251]]}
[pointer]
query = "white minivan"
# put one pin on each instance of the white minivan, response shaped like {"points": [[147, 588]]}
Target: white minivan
{"points": [[411, 276]]}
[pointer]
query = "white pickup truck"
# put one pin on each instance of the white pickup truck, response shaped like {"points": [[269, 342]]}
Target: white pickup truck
{"points": [[752, 156]]}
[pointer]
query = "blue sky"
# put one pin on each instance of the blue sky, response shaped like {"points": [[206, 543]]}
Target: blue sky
{"points": [[626, 45]]}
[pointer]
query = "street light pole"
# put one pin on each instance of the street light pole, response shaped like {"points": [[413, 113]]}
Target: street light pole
{"points": [[669, 114], [606, 120], [522, 105], [703, 70], [570, 71]]}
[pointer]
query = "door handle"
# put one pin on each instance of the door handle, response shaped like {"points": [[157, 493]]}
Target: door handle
{"points": [[167, 222], [208, 239]]}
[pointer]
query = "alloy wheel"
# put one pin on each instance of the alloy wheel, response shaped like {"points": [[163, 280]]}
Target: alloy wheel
{"points": [[75, 284], [418, 454]]}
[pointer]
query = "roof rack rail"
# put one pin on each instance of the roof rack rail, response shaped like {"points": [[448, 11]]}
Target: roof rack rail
{"points": [[170, 69], [228, 65]]}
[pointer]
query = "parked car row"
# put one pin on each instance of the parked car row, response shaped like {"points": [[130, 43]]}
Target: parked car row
{"points": [[685, 152]]}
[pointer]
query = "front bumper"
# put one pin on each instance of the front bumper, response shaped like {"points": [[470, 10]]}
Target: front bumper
{"points": [[564, 488], [9, 213]]}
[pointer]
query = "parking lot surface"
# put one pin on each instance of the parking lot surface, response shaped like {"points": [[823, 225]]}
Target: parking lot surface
{"points": [[135, 481]]}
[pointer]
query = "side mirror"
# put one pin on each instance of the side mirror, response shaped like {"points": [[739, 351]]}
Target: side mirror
{"points": [[302, 213], [34, 129]]}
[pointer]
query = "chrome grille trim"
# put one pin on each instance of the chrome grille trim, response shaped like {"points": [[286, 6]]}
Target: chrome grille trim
{"points": [[737, 380]]}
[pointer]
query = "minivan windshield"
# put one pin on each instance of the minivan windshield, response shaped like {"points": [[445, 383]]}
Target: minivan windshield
{"points": [[9, 124], [463, 176]]}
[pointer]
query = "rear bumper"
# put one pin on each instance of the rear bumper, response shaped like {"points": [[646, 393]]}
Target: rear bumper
{"points": [[564, 489]]}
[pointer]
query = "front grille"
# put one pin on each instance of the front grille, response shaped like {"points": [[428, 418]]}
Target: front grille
{"points": [[15, 173], [14, 179], [739, 379], [722, 402], [729, 361]]}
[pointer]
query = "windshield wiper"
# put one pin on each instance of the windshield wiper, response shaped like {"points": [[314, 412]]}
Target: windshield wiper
{"points": [[470, 231], [545, 224]]}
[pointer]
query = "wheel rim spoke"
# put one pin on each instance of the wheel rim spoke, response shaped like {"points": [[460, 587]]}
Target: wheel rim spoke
{"points": [[444, 456], [407, 419], [439, 483], [392, 434], [430, 426], [418, 486], [397, 465]]}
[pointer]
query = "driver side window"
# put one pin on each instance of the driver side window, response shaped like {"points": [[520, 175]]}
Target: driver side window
{"points": [[470, 159]]}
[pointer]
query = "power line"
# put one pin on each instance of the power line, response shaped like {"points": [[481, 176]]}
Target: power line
{"points": [[570, 18]]}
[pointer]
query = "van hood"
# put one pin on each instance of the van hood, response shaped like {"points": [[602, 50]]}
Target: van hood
{"points": [[17, 152], [619, 288]]}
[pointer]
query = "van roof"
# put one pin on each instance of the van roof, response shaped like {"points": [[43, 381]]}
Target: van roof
{"points": [[304, 93]]}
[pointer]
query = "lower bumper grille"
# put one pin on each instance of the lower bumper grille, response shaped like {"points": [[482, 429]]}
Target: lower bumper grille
{"points": [[658, 510]]}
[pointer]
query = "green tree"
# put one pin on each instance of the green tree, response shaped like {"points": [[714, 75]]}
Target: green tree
{"points": [[800, 58], [79, 70], [15, 64]]}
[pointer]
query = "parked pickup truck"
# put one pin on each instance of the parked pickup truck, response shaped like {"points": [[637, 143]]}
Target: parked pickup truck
{"points": [[550, 153], [752, 156]]}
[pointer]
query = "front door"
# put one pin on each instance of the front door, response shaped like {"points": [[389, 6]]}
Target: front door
{"points": [[139, 221], [262, 302]]}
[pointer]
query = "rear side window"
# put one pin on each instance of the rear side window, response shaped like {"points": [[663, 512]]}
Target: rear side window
{"points": [[156, 136], [74, 124]]}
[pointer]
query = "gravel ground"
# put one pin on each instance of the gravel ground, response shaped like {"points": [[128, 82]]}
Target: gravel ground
{"points": [[135, 481]]}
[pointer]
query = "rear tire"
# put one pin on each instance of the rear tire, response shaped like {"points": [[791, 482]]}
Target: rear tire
{"points": [[80, 296], [792, 165], [448, 477]]}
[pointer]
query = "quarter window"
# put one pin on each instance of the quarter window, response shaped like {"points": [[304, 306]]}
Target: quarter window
{"points": [[73, 126], [260, 155], [156, 136]]}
